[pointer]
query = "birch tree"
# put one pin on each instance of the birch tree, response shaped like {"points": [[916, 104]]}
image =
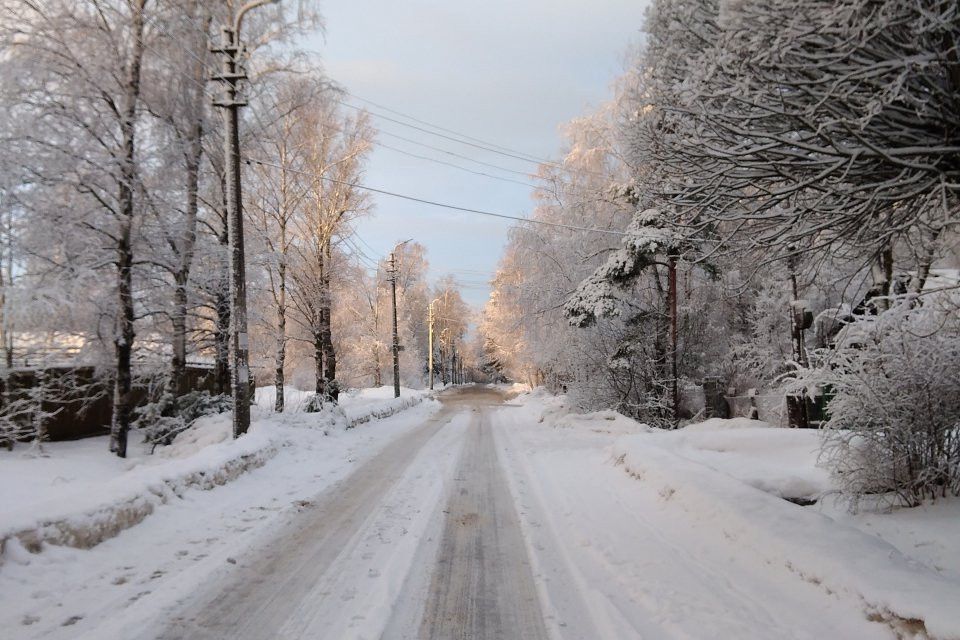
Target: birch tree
{"points": [[336, 147], [279, 200], [90, 95]]}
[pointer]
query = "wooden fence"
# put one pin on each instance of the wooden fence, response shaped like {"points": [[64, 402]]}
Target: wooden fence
{"points": [[80, 399]]}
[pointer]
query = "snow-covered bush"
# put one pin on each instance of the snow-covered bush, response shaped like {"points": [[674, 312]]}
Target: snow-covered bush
{"points": [[317, 401], [19, 420], [894, 426], [162, 420]]}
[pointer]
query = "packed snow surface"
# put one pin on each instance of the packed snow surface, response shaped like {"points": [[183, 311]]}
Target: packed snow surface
{"points": [[667, 533], [626, 531], [75, 494]]}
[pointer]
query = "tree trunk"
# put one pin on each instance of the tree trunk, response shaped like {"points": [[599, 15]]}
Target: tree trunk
{"points": [[329, 354], [443, 366], [221, 339], [280, 296], [278, 379], [188, 239], [672, 304], [123, 384], [178, 364], [281, 355], [6, 280], [883, 277], [329, 359], [123, 344], [320, 384], [925, 261]]}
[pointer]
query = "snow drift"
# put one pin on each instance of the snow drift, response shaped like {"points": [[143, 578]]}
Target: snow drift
{"points": [[893, 588]]}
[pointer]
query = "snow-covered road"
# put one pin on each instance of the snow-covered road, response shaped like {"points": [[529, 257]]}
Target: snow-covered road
{"points": [[328, 573], [481, 584], [420, 541], [483, 519]]}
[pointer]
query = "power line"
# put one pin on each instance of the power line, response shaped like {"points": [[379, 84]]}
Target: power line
{"points": [[466, 139], [453, 153], [275, 106], [439, 128], [438, 204], [383, 191], [362, 256], [360, 238], [444, 136], [456, 166]]}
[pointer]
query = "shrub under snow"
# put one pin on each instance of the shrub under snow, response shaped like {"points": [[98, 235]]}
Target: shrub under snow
{"points": [[894, 425]]}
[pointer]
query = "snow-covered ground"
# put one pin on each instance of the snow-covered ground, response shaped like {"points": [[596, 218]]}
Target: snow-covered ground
{"points": [[354, 402], [75, 493], [643, 533], [620, 531], [285, 459]]}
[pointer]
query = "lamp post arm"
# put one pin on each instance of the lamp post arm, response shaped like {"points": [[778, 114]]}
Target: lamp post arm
{"points": [[253, 4]]}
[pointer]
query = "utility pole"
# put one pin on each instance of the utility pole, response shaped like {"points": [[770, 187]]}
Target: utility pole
{"points": [[396, 334], [230, 76], [430, 343]]}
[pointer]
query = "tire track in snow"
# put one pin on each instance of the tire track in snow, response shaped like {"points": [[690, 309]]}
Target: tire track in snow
{"points": [[273, 591], [482, 585]]}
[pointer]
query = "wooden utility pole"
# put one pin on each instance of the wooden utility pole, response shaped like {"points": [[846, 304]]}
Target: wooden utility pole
{"points": [[230, 76]]}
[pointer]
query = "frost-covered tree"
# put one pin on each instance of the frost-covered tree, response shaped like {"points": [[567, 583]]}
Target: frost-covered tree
{"points": [[337, 145], [451, 316], [82, 66], [524, 326], [279, 196], [823, 124]]}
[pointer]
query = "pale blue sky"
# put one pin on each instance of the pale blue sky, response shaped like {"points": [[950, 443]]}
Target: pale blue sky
{"points": [[507, 72]]}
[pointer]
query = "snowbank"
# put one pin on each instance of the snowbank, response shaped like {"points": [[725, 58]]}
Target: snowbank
{"points": [[732, 482], [84, 518], [893, 588], [354, 402], [357, 415], [722, 424], [781, 462], [110, 495]]}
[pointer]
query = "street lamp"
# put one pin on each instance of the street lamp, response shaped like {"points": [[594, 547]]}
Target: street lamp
{"points": [[231, 76]]}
